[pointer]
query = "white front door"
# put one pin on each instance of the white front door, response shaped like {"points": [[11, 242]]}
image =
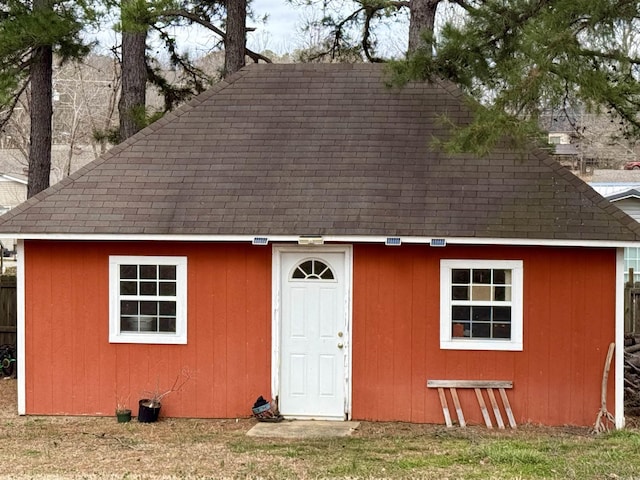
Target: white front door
{"points": [[314, 333]]}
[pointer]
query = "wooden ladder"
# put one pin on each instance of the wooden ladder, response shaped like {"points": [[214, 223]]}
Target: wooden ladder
{"points": [[478, 386]]}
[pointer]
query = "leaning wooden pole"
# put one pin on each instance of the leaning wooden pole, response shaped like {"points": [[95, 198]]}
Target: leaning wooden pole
{"points": [[605, 420]]}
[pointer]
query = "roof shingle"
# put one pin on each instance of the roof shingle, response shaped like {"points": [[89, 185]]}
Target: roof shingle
{"points": [[315, 149]]}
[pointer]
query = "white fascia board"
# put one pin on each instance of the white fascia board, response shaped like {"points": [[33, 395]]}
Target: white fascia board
{"points": [[11, 178], [326, 239], [21, 330], [626, 197], [619, 341]]}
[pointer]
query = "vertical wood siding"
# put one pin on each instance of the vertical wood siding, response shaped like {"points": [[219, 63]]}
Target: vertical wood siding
{"points": [[569, 302], [73, 369]]}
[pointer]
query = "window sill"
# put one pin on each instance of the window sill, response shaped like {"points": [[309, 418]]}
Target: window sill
{"points": [[489, 345], [149, 339]]}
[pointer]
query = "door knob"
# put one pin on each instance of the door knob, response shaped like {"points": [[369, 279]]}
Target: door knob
{"points": [[340, 345]]}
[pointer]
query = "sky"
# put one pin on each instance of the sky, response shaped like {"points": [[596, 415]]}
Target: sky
{"points": [[282, 32], [279, 33]]}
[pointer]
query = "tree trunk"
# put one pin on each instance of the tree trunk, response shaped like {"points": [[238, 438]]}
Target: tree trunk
{"points": [[41, 114], [236, 38], [133, 93], [423, 17]]}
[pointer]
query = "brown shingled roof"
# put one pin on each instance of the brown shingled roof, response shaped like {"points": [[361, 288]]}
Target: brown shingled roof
{"points": [[318, 149]]}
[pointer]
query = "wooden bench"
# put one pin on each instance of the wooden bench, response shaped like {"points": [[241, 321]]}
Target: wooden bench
{"points": [[478, 386]]}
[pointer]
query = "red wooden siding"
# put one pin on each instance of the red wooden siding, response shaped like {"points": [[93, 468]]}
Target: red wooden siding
{"points": [[71, 368], [569, 302]]}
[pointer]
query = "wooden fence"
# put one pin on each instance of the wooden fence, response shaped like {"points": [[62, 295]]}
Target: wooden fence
{"points": [[8, 310]]}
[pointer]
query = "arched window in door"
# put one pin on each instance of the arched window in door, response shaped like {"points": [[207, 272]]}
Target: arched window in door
{"points": [[312, 270]]}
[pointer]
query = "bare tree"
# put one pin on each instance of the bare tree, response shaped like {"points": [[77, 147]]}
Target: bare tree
{"points": [[84, 102]]}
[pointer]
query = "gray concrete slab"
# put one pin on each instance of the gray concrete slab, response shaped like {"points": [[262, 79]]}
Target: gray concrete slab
{"points": [[303, 429]]}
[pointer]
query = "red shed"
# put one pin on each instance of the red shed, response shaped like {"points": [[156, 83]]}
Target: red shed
{"points": [[293, 233]]}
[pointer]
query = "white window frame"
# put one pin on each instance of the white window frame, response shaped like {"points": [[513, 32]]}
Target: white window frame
{"points": [[164, 338], [447, 341]]}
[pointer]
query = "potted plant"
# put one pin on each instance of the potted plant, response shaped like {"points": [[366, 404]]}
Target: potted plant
{"points": [[123, 412], [149, 406]]}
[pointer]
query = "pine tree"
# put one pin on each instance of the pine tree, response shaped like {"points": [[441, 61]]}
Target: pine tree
{"points": [[30, 34], [517, 58], [138, 17]]}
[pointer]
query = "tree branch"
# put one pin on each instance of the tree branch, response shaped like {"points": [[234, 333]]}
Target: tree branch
{"points": [[6, 116], [366, 45], [256, 57]]}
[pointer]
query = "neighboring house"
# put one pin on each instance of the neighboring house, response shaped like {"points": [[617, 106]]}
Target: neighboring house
{"points": [[625, 196], [563, 150], [293, 233], [13, 191]]}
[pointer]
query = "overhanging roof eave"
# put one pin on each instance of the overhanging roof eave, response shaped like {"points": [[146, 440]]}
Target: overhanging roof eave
{"points": [[426, 240]]}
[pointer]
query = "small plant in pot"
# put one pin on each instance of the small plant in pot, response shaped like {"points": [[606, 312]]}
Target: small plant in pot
{"points": [[149, 406], [123, 412]]}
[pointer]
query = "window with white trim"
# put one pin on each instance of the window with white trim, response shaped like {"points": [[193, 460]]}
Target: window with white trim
{"points": [[148, 299], [481, 304]]}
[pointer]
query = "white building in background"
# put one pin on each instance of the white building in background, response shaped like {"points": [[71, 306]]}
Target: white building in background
{"points": [[13, 191], [626, 196]]}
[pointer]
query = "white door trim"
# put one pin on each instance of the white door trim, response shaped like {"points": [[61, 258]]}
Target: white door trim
{"points": [[276, 312]]}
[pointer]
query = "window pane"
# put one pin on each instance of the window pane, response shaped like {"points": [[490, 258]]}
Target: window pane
{"points": [[481, 330], [168, 308], [148, 324], [460, 313], [128, 307], [168, 289], [459, 275], [482, 314], [501, 314], [167, 272], [307, 267], [501, 330], [327, 274], [148, 271], [148, 308], [460, 293], [460, 329], [482, 276], [128, 271], [167, 325], [502, 294], [128, 324], [481, 293], [499, 277], [148, 288], [128, 288]]}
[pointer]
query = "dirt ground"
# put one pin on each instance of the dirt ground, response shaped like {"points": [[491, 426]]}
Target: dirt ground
{"points": [[99, 447]]}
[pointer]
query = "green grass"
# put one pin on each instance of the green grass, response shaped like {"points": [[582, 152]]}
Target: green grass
{"points": [[462, 455]]}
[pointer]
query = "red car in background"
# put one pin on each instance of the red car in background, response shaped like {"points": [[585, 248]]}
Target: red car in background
{"points": [[632, 166]]}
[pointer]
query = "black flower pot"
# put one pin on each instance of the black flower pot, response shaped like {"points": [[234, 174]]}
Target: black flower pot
{"points": [[147, 413]]}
